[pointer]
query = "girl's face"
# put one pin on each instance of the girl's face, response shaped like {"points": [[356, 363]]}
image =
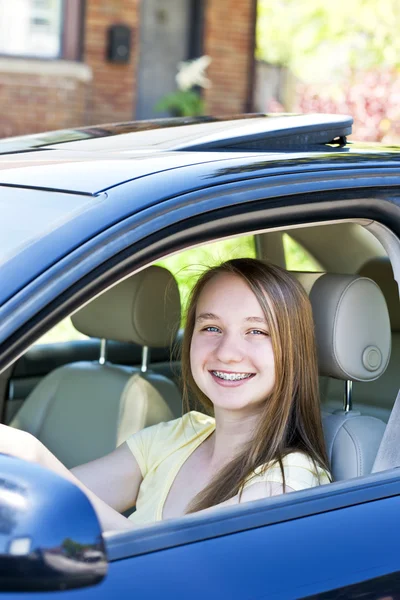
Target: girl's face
{"points": [[231, 355]]}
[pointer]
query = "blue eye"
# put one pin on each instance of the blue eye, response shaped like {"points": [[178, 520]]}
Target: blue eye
{"points": [[258, 332], [212, 329]]}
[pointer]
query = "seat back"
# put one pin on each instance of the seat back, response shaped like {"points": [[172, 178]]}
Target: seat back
{"points": [[84, 410], [352, 331]]}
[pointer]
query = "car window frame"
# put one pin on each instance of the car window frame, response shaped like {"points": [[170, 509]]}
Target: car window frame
{"points": [[130, 249]]}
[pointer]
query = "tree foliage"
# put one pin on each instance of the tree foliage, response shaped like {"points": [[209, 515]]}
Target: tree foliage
{"points": [[321, 38]]}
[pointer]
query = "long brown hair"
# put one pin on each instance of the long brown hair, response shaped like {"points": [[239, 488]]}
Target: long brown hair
{"points": [[291, 418]]}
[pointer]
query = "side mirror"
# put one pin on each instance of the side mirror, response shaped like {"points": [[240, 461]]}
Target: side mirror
{"points": [[50, 537]]}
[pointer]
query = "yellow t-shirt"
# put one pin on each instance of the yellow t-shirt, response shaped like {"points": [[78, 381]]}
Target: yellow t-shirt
{"points": [[162, 449]]}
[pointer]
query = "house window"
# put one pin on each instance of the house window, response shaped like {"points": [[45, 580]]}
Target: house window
{"points": [[47, 29]]}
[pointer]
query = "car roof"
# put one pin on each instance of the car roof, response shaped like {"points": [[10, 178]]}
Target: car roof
{"points": [[92, 160], [82, 172], [187, 133]]}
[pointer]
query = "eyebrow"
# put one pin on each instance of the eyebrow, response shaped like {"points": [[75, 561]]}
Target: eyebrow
{"points": [[256, 320], [207, 317], [212, 317]]}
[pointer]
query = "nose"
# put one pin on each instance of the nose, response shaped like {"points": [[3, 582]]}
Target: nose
{"points": [[229, 349]]}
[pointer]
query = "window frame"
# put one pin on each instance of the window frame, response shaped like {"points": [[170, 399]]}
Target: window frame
{"points": [[73, 29]]}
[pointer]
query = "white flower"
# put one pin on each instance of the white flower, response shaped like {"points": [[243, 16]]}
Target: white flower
{"points": [[192, 73]]}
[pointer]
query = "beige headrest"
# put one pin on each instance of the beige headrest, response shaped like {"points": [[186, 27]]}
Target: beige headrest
{"points": [[380, 270], [144, 309], [352, 325]]}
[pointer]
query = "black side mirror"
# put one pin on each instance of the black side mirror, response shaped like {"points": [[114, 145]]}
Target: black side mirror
{"points": [[50, 537]]}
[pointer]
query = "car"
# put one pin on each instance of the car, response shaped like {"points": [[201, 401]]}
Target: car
{"points": [[91, 218]]}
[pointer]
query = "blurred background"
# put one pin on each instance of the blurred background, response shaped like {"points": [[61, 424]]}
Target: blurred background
{"points": [[340, 56], [74, 63], [69, 63]]}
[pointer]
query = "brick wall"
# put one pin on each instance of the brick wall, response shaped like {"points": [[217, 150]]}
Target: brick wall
{"points": [[229, 40], [41, 95], [112, 95]]}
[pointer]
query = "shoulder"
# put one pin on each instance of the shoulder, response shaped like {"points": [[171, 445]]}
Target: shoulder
{"points": [[154, 443], [192, 422], [196, 422], [298, 459], [299, 470], [186, 429]]}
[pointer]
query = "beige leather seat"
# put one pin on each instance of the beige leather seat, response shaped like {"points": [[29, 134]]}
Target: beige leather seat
{"points": [[374, 398], [353, 338], [84, 410], [380, 270]]}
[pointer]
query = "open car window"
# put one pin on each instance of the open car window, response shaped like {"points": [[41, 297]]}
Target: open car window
{"points": [[186, 266]]}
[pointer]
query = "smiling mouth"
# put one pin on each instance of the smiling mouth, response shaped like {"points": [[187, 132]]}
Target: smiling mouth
{"points": [[232, 376]]}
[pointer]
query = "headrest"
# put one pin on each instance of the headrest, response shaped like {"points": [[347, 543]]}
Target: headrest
{"points": [[145, 309], [380, 270], [352, 325]]}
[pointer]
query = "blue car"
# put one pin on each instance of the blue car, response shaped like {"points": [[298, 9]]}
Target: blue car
{"points": [[86, 214]]}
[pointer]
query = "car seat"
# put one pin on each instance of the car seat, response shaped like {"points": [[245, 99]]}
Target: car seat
{"points": [[352, 331], [375, 398], [84, 410]]}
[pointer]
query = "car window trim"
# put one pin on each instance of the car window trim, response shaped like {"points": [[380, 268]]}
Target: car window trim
{"points": [[261, 513]]}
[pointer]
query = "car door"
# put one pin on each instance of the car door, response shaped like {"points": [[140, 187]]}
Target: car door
{"points": [[337, 542], [321, 541]]}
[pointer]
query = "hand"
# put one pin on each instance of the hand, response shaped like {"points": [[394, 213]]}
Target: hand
{"points": [[24, 445], [19, 443]]}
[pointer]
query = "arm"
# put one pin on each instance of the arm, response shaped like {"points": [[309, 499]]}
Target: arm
{"points": [[111, 483], [115, 478]]}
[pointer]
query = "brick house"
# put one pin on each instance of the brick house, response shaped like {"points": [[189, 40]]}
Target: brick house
{"points": [[68, 63]]}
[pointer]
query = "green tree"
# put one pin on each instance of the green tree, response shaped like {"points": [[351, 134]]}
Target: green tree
{"points": [[317, 38]]}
